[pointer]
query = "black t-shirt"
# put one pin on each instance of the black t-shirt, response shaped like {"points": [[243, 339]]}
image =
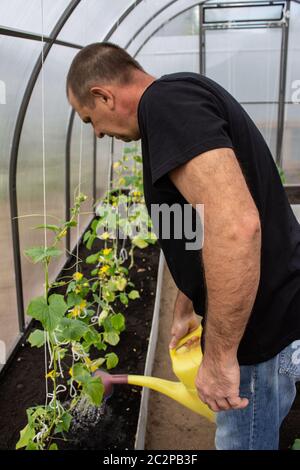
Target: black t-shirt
{"points": [[181, 116]]}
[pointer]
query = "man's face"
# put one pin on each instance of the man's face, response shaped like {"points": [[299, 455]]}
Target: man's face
{"points": [[111, 114]]}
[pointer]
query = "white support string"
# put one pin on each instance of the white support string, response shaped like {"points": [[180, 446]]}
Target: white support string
{"points": [[81, 146], [44, 181], [79, 191]]}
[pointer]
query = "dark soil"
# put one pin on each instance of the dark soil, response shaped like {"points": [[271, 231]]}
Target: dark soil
{"points": [[22, 385]]}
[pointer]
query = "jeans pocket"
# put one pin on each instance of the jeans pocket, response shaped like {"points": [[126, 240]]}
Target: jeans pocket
{"points": [[289, 360], [247, 381]]}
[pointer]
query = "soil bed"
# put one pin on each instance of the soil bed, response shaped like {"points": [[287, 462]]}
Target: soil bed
{"points": [[113, 426]]}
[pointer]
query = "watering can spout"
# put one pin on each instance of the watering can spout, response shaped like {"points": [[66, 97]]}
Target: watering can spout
{"points": [[186, 360], [175, 390]]}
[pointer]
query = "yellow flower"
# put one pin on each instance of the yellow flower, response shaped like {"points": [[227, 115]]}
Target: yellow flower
{"points": [[77, 289], [104, 269], [52, 374], [71, 371], [116, 165], [104, 236], [106, 251], [77, 276], [121, 181], [86, 284], [75, 311]]}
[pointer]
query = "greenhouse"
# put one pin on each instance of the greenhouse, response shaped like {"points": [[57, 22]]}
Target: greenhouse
{"points": [[100, 102]]}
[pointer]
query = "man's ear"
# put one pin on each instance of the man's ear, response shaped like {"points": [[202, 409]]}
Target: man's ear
{"points": [[104, 95]]}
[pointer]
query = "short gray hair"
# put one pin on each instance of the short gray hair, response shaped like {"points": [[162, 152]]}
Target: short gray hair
{"points": [[101, 62]]}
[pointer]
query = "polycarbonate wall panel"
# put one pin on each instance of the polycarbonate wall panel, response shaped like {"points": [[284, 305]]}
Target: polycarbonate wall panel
{"points": [[245, 62], [118, 149], [265, 118], [30, 169], [180, 53], [92, 20], [291, 144], [181, 46], [16, 61], [186, 24], [27, 15], [82, 132], [103, 166], [144, 18], [291, 138]]}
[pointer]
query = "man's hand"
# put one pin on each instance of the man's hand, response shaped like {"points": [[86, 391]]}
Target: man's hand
{"points": [[218, 384], [181, 327]]}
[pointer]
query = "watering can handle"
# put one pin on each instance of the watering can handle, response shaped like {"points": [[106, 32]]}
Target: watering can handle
{"points": [[182, 341]]}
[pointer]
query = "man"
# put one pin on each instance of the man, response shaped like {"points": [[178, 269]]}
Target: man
{"points": [[200, 147]]}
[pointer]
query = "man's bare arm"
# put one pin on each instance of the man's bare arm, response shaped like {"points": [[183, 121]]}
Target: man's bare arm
{"points": [[231, 250]]}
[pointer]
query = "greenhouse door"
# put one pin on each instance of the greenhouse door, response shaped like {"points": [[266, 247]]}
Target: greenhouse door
{"points": [[241, 50]]}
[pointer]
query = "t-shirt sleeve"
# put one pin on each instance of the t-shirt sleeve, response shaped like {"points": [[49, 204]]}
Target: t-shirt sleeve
{"points": [[181, 121]]}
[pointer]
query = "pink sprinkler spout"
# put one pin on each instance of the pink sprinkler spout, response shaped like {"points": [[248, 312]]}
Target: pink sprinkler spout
{"points": [[109, 380]]}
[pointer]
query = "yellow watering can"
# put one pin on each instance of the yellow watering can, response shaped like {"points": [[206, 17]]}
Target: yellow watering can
{"points": [[185, 362]]}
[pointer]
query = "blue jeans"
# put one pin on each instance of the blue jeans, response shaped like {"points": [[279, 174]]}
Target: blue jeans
{"points": [[271, 389]]}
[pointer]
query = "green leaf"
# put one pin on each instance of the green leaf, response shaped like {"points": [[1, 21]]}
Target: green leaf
{"points": [[111, 337], [71, 223], [111, 360], [86, 236], [124, 298], [55, 228], [32, 446], [39, 253], [140, 242], [49, 315], [296, 445], [37, 338], [95, 287], [118, 322], [53, 446], [121, 283], [64, 423], [80, 373], [73, 329], [26, 435], [134, 294], [94, 224], [108, 295], [38, 309], [73, 299], [91, 241], [92, 259], [94, 390]]}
